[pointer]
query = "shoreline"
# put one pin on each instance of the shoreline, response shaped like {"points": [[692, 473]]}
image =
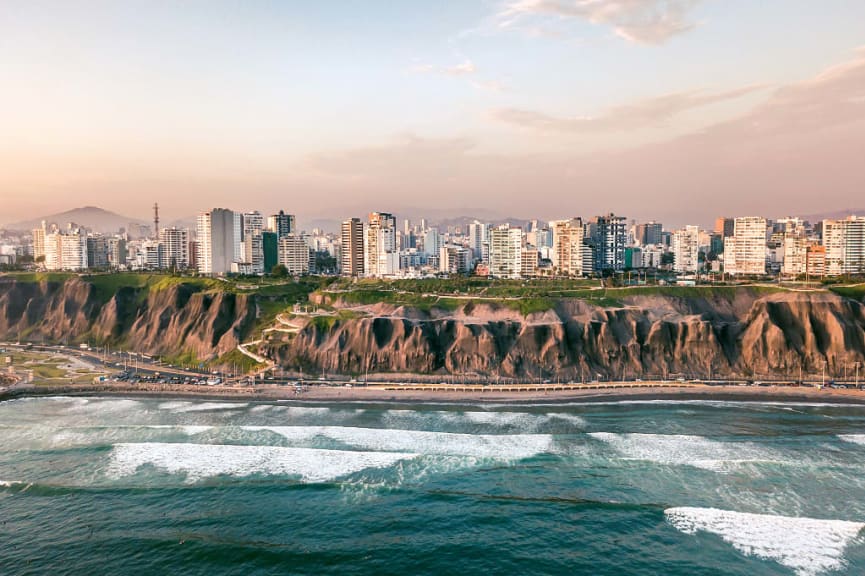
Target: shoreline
{"points": [[674, 393]]}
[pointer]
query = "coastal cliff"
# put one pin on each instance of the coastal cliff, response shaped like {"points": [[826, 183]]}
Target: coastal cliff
{"points": [[152, 319], [727, 332], [630, 333]]}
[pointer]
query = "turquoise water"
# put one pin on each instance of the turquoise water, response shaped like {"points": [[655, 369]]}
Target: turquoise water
{"points": [[131, 486]]}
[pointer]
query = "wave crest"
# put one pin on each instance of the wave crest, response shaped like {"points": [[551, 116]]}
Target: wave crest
{"points": [[806, 545]]}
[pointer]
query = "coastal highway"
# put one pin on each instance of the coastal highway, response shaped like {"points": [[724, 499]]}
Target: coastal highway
{"points": [[147, 366], [115, 360]]}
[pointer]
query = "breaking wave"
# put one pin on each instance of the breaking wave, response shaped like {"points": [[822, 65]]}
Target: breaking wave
{"points": [[200, 461], [806, 545], [677, 449], [503, 447]]}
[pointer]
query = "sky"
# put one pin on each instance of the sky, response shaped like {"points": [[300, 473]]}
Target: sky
{"points": [[674, 110]]}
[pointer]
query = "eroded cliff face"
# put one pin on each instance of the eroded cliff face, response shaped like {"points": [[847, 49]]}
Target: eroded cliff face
{"points": [[748, 334], [166, 321], [742, 332]]}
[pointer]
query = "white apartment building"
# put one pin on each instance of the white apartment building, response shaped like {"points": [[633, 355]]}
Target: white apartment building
{"points": [[506, 244], [686, 250], [294, 254], [252, 222], [745, 250], [218, 241], [845, 245], [175, 247], [479, 240], [66, 251]]}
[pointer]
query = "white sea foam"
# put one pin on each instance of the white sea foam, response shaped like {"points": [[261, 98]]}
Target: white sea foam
{"points": [[522, 421], [199, 461], [98, 434], [853, 438], [685, 450], [10, 483], [187, 429], [182, 407], [572, 418], [806, 545], [501, 447]]}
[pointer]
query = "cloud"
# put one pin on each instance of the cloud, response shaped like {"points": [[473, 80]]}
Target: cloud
{"points": [[626, 117], [465, 68], [460, 69], [640, 21], [798, 151]]}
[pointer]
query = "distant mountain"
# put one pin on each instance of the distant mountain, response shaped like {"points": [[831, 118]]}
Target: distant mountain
{"points": [[92, 217], [833, 215]]}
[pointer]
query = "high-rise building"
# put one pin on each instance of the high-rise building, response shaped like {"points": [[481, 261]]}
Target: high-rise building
{"points": [[648, 234], [294, 254], [455, 259], [815, 260], [725, 226], [175, 247], [795, 254], [506, 244], [845, 245], [253, 251], [351, 244], [432, 241], [97, 252], [66, 250], [152, 255], [478, 238], [39, 242], [745, 250], [609, 238], [269, 250], [116, 252], [217, 241], [529, 260], [569, 254], [382, 252], [282, 223], [252, 222], [686, 250]]}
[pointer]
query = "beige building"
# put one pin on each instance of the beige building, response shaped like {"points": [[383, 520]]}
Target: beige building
{"points": [[570, 249], [351, 248], [745, 251]]}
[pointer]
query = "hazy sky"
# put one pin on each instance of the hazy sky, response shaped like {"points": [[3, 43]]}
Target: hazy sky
{"points": [[673, 109]]}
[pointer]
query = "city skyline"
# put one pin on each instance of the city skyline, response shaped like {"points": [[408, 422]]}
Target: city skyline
{"points": [[673, 110]]}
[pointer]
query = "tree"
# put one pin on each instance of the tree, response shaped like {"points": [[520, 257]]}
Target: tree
{"points": [[279, 271]]}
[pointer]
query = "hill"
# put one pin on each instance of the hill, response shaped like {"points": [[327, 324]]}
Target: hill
{"points": [[95, 218]]}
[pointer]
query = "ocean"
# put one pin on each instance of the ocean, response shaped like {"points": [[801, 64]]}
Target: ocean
{"points": [[164, 486]]}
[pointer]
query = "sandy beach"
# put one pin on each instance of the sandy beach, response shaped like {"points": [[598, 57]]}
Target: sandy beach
{"points": [[457, 395]]}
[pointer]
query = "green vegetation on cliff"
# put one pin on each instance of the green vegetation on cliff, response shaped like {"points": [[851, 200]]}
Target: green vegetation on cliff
{"points": [[524, 296]]}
